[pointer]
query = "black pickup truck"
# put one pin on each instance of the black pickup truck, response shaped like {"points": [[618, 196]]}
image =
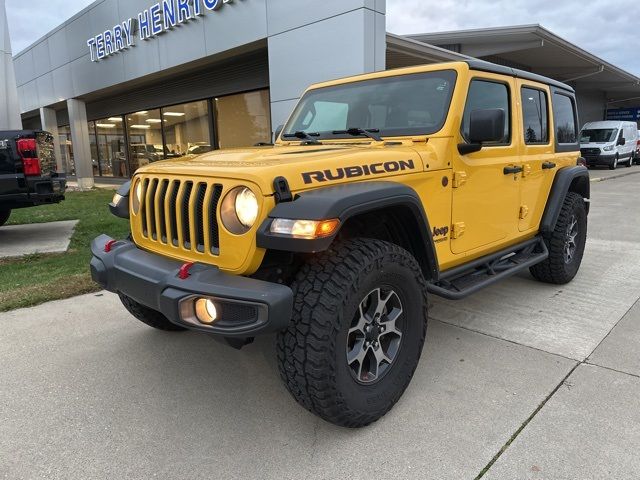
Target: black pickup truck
{"points": [[28, 175]]}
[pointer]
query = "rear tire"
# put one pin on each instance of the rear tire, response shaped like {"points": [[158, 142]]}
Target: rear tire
{"points": [[4, 216], [630, 162], [566, 243], [149, 316], [357, 331]]}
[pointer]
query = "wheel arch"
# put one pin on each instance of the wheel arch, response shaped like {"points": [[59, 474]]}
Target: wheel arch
{"points": [[393, 207], [572, 179]]}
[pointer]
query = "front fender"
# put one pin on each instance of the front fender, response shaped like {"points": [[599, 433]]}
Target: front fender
{"points": [[344, 202]]}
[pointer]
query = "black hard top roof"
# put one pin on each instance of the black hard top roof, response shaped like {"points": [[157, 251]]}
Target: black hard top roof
{"points": [[514, 72]]}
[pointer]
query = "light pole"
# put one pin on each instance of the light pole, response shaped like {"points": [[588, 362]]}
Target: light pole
{"points": [[10, 111]]}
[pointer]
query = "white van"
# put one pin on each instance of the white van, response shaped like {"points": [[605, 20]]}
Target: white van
{"points": [[609, 143]]}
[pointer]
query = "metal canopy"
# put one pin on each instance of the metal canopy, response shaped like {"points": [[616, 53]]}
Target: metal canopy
{"points": [[536, 49]]}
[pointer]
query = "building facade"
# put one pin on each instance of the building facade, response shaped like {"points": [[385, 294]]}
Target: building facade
{"points": [[128, 82]]}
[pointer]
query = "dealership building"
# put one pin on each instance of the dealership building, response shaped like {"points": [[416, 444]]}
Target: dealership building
{"points": [[128, 82]]}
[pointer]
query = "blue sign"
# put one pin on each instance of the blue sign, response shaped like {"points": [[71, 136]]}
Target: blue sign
{"points": [[160, 17], [624, 114]]}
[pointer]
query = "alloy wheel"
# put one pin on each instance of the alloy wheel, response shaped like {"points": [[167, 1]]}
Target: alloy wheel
{"points": [[375, 335], [570, 246]]}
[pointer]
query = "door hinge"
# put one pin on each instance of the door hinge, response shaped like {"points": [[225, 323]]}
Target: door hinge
{"points": [[524, 211], [459, 179], [527, 170], [458, 229]]}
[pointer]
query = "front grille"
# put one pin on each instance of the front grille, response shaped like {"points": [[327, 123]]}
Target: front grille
{"points": [[591, 152], [181, 214]]}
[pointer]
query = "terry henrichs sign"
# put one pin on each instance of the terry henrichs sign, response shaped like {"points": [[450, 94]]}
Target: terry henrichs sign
{"points": [[158, 18]]}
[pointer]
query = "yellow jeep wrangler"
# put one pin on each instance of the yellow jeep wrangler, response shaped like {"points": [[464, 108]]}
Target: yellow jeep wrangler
{"points": [[380, 189]]}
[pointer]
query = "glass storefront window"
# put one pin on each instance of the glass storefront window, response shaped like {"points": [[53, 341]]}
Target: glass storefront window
{"points": [[244, 119], [111, 147], [186, 129], [145, 138], [95, 163], [66, 149]]}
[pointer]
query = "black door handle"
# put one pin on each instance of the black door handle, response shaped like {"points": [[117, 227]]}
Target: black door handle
{"points": [[548, 165], [511, 170]]}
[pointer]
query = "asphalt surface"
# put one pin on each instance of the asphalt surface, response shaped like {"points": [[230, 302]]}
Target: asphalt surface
{"points": [[523, 380]]}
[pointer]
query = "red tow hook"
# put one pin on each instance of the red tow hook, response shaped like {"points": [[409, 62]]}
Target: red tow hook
{"points": [[109, 245], [183, 274]]}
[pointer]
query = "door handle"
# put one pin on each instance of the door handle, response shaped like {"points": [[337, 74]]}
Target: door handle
{"points": [[511, 170], [548, 165]]}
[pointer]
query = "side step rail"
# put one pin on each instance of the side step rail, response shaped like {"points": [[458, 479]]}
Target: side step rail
{"points": [[460, 282]]}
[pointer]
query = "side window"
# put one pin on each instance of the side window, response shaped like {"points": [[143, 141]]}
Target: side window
{"points": [[565, 119], [484, 94], [535, 116]]}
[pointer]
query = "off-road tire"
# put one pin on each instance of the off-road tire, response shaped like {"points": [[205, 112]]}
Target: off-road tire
{"points": [[312, 352], [147, 315], [4, 216], [555, 268]]}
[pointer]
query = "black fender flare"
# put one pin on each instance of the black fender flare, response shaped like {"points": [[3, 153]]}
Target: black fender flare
{"points": [[121, 209], [344, 202], [575, 179]]}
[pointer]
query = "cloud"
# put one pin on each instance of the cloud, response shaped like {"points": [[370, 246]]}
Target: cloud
{"points": [[603, 28], [32, 19]]}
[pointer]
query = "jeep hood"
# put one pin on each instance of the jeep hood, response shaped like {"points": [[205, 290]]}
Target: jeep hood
{"points": [[304, 166]]}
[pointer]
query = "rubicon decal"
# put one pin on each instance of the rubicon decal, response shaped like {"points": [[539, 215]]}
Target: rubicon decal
{"points": [[357, 171]]}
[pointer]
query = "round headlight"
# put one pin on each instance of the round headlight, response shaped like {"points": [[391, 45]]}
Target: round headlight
{"points": [[247, 207], [137, 197], [239, 210]]}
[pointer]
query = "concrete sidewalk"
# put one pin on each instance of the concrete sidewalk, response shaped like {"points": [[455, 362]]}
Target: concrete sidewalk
{"points": [[21, 240], [591, 426]]}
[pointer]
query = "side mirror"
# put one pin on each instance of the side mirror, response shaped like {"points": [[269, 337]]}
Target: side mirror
{"points": [[622, 141], [277, 132], [484, 126]]}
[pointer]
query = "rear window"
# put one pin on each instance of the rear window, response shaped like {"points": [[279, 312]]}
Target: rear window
{"points": [[565, 119]]}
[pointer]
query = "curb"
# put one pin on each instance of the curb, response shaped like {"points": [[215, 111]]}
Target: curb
{"points": [[603, 179]]}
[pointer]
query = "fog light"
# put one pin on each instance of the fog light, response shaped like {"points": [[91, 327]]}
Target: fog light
{"points": [[206, 311]]}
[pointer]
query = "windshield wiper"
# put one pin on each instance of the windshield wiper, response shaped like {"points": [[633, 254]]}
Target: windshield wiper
{"points": [[356, 132], [304, 136]]}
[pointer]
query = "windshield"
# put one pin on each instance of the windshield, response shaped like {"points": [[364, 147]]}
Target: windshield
{"points": [[414, 104], [598, 135]]}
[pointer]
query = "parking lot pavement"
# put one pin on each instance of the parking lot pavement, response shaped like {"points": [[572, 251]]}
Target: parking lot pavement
{"points": [[569, 320], [20, 240], [92, 393], [603, 173], [89, 392], [590, 429]]}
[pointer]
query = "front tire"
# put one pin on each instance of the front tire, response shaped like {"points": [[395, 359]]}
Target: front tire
{"points": [[4, 216], [147, 315], [614, 164], [358, 327], [566, 243]]}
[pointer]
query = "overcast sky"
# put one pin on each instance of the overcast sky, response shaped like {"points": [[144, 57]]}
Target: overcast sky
{"points": [[607, 29]]}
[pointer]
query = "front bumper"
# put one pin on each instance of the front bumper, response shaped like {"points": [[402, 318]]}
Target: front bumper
{"points": [[601, 159], [249, 307]]}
